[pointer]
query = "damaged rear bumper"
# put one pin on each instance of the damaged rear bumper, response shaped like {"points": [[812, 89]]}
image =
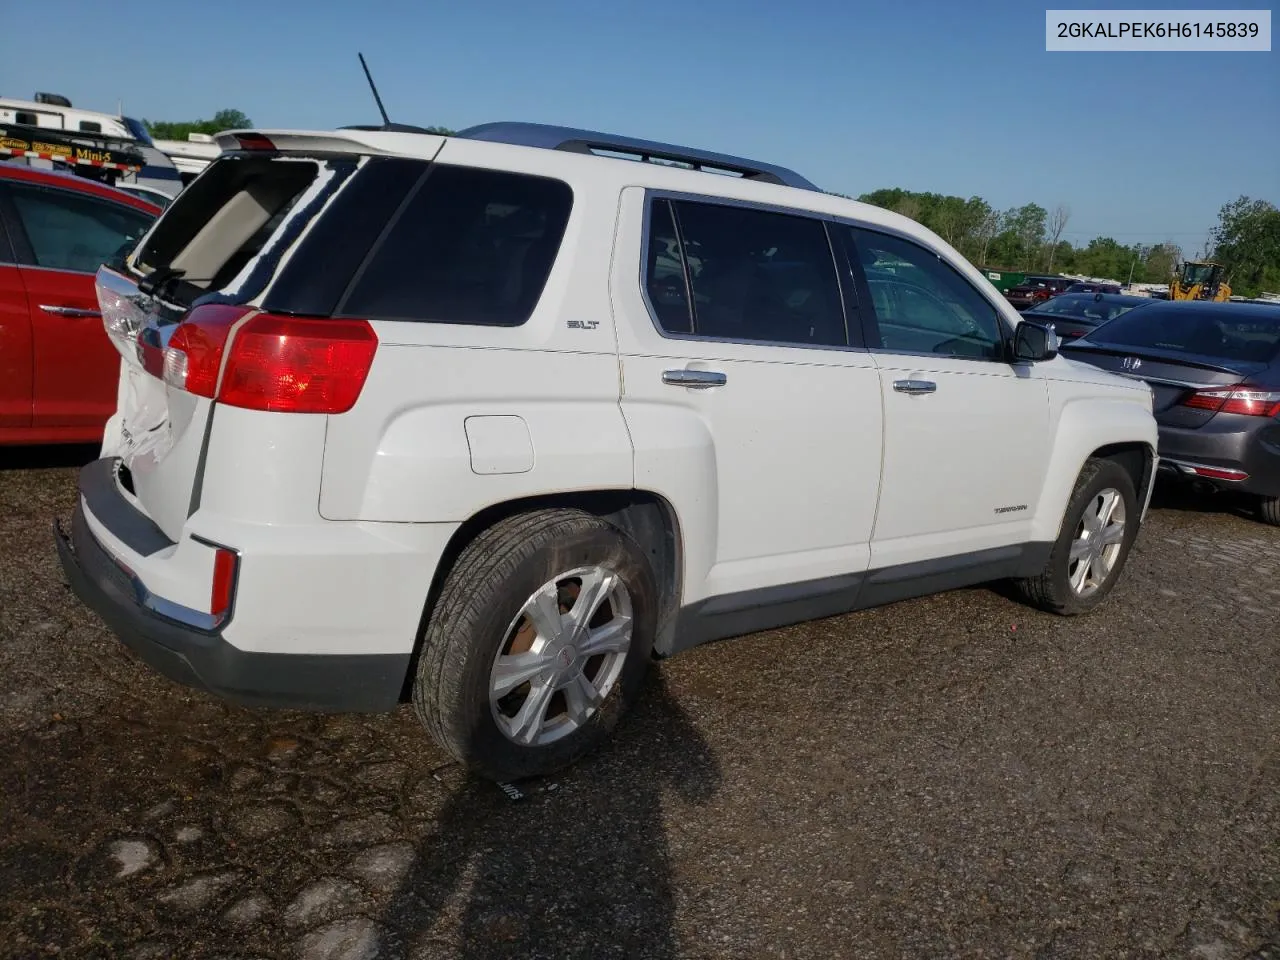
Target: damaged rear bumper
{"points": [[204, 659]]}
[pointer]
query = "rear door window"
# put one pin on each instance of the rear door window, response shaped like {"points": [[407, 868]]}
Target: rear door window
{"points": [[755, 275], [471, 246], [70, 231]]}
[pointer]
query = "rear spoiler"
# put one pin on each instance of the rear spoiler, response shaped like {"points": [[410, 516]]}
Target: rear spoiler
{"points": [[75, 149], [349, 140]]}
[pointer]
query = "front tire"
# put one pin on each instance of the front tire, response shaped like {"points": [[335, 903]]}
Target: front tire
{"points": [[537, 645], [1098, 530]]}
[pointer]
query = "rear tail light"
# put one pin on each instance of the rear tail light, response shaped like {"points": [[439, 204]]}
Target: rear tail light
{"points": [[269, 362], [225, 563], [193, 358], [293, 365], [1240, 399]]}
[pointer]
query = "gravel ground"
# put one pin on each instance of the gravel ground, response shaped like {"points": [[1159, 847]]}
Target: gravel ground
{"points": [[954, 776]]}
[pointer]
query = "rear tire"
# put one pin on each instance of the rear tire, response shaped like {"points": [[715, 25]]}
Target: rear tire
{"points": [[1098, 530], [512, 596], [1269, 511]]}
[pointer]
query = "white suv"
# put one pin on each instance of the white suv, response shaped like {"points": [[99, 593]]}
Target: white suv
{"points": [[489, 421]]}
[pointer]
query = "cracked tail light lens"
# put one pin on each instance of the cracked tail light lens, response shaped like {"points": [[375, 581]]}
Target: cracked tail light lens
{"points": [[121, 317], [1239, 399]]}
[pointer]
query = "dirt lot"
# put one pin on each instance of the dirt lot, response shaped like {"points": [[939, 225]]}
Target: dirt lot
{"points": [[954, 776]]}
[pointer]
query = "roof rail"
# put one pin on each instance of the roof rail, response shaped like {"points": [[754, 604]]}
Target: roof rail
{"points": [[592, 142]]}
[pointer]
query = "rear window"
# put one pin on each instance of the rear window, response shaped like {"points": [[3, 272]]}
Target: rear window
{"points": [[471, 246], [216, 229], [1227, 335]]}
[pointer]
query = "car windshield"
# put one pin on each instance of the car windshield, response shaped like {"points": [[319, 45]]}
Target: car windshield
{"points": [[1088, 307], [1238, 335], [1197, 273]]}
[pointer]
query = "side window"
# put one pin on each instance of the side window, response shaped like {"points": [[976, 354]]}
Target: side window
{"points": [[30, 119], [90, 126], [472, 246], [922, 305], [69, 231], [664, 272], [757, 275]]}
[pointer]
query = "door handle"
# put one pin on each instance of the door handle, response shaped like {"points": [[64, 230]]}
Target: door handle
{"points": [[73, 312], [915, 386], [697, 379]]}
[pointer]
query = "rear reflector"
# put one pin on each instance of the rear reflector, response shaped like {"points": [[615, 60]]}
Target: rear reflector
{"points": [[1240, 399], [224, 582], [1219, 473], [276, 363]]}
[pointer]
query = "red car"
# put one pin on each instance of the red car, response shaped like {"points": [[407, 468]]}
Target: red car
{"points": [[58, 370], [1036, 289]]}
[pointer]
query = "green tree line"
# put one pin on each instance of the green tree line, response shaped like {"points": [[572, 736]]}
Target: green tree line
{"points": [[1029, 238], [1247, 242], [178, 130], [1026, 238]]}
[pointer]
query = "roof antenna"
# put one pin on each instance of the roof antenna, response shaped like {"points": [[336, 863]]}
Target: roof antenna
{"points": [[381, 109]]}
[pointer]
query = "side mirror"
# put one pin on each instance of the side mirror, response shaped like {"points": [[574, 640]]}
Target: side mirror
{"points": [[1034, 342]]}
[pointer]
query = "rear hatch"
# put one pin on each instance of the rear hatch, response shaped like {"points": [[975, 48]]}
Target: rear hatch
{"points": [[245, 239]]}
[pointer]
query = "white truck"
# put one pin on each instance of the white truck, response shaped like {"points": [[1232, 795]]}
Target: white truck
{"points": [[487, 422]]}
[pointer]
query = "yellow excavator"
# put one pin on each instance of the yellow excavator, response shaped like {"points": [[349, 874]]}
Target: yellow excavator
{"points": [[1199, 280]]}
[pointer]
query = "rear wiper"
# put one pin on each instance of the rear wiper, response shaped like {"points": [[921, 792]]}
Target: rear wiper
{"points": [[159, 279]]}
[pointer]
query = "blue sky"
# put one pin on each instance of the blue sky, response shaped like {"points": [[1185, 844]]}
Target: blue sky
{"points": [[943, 96]]}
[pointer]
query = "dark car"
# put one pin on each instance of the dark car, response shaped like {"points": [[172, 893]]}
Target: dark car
{"points": [[1088, 286], [1214, 370], [1076, 314], [1036, 289]]}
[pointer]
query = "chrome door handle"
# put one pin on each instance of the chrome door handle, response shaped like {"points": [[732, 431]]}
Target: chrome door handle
{"points": [[74, 312], [915, 386], [697, 379]]}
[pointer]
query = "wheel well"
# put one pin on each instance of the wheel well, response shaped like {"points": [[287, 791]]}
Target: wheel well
{"points": [[645, 517], [1134, 458]]}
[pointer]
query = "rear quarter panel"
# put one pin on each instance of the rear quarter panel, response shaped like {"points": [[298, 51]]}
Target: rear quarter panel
{"points": [[404, 452]]}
